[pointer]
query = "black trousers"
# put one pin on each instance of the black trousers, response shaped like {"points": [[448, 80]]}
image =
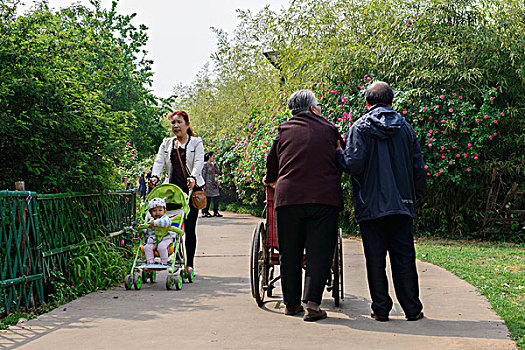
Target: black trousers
{"points": [[190, 225], [312, 227], [392, 234], [215, 204]]}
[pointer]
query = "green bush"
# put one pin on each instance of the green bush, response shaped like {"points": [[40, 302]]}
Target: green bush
{"points": [[72, 95]]}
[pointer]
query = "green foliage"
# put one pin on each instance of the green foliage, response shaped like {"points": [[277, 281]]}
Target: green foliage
{"points": [[496, 270], [97, 266], [425, 50], [72, 93]]}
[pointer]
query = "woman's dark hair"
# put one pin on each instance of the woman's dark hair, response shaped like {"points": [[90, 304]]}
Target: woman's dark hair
{"points": [[184, 116], [207, 156], [379, 92]]}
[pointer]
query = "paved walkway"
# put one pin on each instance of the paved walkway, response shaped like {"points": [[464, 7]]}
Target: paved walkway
{"points": [[218, 312]]}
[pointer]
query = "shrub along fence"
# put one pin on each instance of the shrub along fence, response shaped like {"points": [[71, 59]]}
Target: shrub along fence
{"points": [[38, 233]]}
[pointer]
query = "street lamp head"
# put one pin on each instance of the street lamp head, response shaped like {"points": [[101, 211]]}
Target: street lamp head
{"points": [[274, 57]]}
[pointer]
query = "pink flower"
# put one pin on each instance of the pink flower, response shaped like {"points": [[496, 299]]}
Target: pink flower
{"points": [[122, 242], [468, 169], [477, 120], [464, 130], [485, 117], [443, 157], [469, 145], [495, 134], [460, 97], [127, 143], [476, 157], [451, 110], [495, 122], [490, 137], [429, 145], [404, 111], [430, 117], [436, 174], [424, 109], [440, 170], [492, 98], [441, 97], [372, 75], [457, 155], [495, 89], [502, 114], [426, 166], [465, 155], [89, 212], [450, 163], [453, 94], [72, 287]]}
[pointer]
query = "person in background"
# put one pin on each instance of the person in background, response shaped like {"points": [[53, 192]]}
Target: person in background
{"points": [[183, 157], [384, 158], [211, 188], [308, 197], [142, 186]]}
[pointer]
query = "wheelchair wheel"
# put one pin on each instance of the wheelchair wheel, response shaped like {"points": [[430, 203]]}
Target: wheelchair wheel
{"points": [[258, 264]]}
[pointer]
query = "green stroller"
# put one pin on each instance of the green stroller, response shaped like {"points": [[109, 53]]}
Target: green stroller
{"points": [[178, 272]]}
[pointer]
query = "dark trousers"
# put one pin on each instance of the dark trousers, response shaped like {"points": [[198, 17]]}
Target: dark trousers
{"points": [[392, 234], [310, 226], [215, 204], [190, 236]]}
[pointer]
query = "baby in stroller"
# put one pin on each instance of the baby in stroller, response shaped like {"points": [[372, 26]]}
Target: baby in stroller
{"points": [[157, 218]]}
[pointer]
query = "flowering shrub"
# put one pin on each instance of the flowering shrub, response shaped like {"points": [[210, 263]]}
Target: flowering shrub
{"points": [[243, 157], [454, 135]]}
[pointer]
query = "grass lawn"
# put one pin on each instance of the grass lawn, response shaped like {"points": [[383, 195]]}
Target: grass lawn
{"points": [[497, 270]]}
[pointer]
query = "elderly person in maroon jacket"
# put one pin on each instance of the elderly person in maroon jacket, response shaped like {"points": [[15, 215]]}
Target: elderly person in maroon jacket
{"points": [[308, 197]]}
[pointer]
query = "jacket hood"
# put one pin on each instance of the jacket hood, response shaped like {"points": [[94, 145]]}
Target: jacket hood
{"points": [[382, 122]]}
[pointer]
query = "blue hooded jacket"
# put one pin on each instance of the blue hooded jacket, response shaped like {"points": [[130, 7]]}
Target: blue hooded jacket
{"points": [[384, 158]]}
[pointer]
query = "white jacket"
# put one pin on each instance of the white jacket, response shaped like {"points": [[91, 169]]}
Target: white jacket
{"points": [[194, 159]]}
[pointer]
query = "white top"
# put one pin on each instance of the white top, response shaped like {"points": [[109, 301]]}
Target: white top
{"points": [[194, 159]]}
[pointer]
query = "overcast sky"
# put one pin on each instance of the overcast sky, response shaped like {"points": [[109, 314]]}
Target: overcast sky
{"points": [[180, 40]]}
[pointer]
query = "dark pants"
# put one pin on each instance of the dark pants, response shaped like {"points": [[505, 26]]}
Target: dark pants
{"points": [[190, 225], [392, 234], [310, 226], [215, 204]]}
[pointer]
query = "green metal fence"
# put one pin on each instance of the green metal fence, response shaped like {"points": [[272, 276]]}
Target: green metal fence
{"points": [[38, 232]]}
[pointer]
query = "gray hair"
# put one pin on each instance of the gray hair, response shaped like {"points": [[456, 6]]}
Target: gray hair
{"points": [[301, 100]]}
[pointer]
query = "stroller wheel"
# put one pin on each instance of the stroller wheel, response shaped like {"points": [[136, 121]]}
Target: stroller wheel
{"points": [[137, 281], [178, 281], [169, 282], [190, 274], [145, 276], [152, 276], [128, 282]]}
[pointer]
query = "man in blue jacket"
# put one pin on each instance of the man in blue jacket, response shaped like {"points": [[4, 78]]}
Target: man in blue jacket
{"points": [[384, 158]]}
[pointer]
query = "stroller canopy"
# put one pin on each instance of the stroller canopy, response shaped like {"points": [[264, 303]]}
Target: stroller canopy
{"points": [[172, 194]]}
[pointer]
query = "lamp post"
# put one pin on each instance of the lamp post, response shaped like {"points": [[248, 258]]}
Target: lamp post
{"points": [[275, 59]]}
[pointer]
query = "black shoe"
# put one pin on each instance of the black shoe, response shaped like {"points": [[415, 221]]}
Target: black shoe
{"points": [[380, 318], [217, 214], [314, 315], [293, 310], [207, 215], [416, 317]]}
